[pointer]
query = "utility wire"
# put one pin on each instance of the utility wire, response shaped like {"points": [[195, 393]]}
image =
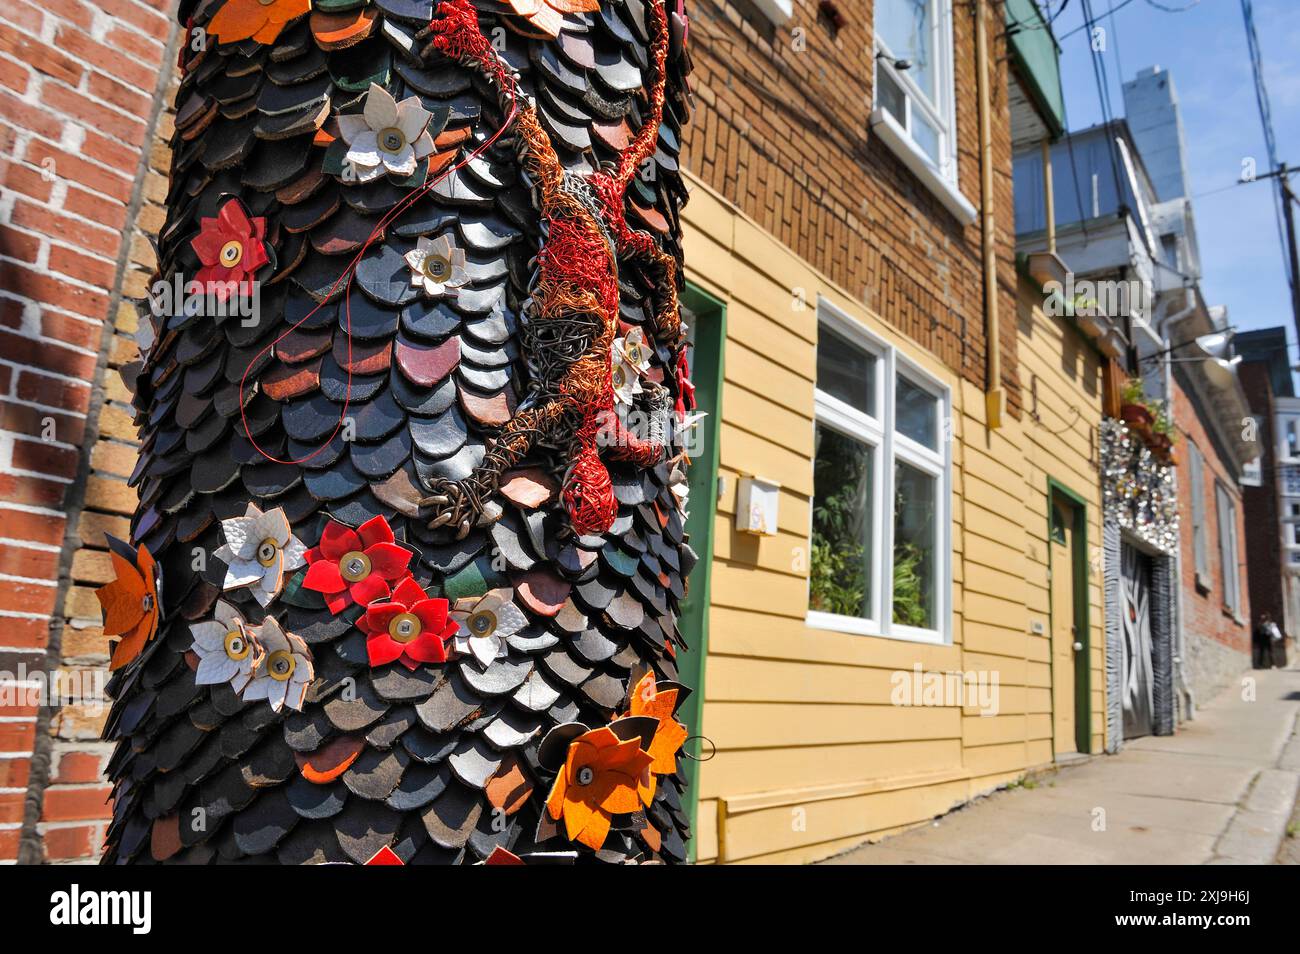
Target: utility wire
{"points": [[1107, 115], [1270, 140]]}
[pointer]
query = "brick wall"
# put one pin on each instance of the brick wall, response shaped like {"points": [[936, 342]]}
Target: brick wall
{"points": [[79, 84], [1216, 641], [781, 129]]}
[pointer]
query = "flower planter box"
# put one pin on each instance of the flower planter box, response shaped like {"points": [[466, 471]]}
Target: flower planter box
{"points": [[1139, 419]]}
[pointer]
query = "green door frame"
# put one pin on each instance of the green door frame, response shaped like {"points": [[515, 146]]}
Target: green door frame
{"points": [[1079, 560], [706, 373]]}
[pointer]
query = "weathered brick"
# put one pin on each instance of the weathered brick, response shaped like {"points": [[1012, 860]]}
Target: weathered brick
{"points": [[41, 457], [11, 807], [93, 525], [54, 392], [19, 633], [26, 598], [92, 566], [114, 182], [17, 736], [81, 603], [79, 767], [42, 57], [15, 76], [113, 458], [68, 843], [39, 424], [116, 422], [87, 235], [39, 286], [88, 643], [120, 95], [14, 772], [84, 722], [77, 264], [32, 491], [24, 561], [95, 208], [37, 527], [75, 804]]}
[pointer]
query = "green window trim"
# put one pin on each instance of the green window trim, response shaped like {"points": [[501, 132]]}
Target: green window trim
{"points": [[707, 375], [1082, 602]]}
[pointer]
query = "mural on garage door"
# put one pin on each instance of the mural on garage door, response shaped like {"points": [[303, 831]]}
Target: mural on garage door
{"points": [[1139, 539]]}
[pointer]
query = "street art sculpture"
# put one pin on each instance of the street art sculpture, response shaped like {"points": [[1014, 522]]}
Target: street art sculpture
{"points": [[403, 580]]}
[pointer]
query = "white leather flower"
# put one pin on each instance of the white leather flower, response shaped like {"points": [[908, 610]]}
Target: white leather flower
{"points": [[226, 651], [437, 265], [283, 672], [387, 136], [631, 361], [259, 549], [485, 624]]}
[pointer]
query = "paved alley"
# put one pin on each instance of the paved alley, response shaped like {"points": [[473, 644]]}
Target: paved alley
{"points": [[1221, 791]]}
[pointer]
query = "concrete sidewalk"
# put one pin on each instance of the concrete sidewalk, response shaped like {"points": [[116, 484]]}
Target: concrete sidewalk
{"points": [[1221, 791]]}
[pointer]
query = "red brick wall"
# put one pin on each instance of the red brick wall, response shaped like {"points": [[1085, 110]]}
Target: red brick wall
{"points": [[781, 129], [1203, 614], [78, 87]]}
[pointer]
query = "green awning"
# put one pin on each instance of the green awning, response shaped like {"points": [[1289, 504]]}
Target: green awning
{"points": [[1037, 58]]}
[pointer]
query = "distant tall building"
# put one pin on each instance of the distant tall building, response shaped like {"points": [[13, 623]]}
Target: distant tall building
{"points": [[1156, 122]]}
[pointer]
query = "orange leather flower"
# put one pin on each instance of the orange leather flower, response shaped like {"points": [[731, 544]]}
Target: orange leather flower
{"points": [[599, 779], [130, 603], [548, 15], [648, 701], [239, 19]]}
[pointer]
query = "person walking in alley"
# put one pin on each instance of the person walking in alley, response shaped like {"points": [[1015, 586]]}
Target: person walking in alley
{"points": [[1268, 645]]}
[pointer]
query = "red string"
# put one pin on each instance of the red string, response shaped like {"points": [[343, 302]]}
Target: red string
{"points": [[349, 272]]}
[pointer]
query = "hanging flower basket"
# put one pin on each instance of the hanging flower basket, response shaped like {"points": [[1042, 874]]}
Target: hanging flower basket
{"points": [[1161, 447], [1139, 419]]}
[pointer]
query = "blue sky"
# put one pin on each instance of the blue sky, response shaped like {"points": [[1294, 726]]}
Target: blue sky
{"points": [[1205, 50]]}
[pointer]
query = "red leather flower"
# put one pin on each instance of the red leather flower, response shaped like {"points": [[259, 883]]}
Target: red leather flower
{"points": [[356, 566], [411, 628], [231, 248]]}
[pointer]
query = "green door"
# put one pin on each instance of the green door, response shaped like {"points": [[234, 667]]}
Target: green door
{"points": [[706, 316]]}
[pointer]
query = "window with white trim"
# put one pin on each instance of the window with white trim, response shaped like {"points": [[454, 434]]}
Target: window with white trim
{"points": [[1228, 553], [881, 476], [1196, 487], [914, 75]]}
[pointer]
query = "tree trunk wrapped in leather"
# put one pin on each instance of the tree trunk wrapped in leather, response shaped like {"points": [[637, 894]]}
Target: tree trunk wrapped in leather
{"points": [[463, 380]]}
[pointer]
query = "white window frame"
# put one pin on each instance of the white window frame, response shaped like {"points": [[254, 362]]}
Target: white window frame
{"points": [[939, 173], [888, 449], [1288, 425], [1229, 555], [1200, 539]]}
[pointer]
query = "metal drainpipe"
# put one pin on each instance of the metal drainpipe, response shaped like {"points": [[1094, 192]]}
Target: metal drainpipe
{"points": [[994, 398], [1180, 636]]}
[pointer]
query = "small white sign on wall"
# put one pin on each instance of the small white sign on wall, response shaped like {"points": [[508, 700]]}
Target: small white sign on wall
{"points": [[757, 501]]}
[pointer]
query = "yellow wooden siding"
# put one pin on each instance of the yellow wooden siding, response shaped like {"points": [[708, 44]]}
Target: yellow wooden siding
{"points": [[812, 754]]}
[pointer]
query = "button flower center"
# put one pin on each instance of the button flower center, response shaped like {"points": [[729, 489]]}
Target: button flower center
{"points": [[437, 267], [405, 628], [585, 775], [232, 253], [266, 552], [280, 665], [355, 566], [482, 623], [237, 646], [391, 139]]}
